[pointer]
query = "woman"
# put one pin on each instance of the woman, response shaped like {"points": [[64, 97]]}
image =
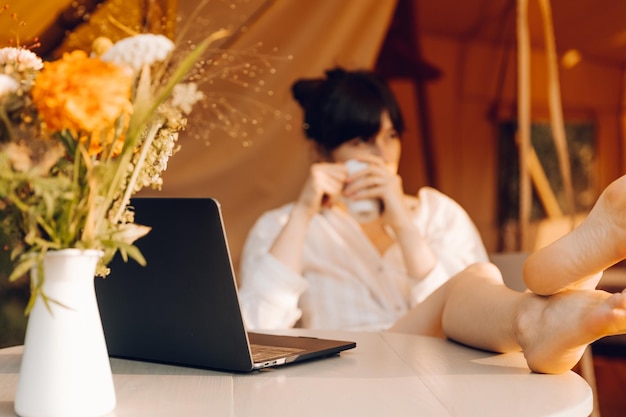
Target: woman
{"points": [[419, 266], [310, 263]]}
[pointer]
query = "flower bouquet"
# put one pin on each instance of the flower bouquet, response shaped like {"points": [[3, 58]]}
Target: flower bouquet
{"points": [[78, 137]]}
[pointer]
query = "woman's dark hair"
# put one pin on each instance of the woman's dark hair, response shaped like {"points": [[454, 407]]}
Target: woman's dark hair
{"points": [[345, 105]]}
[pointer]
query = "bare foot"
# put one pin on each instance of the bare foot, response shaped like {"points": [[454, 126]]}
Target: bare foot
{"points": [[577, 260], [569, 321]]}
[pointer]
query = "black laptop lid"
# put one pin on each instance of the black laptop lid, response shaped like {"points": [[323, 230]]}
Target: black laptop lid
{"points": [[179, 308]]}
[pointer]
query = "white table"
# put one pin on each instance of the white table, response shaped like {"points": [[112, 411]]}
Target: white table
{"points": [[387, 374]]}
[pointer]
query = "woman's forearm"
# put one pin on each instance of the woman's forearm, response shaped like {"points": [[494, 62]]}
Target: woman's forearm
{"points": [[419, 258], [289, 244]]}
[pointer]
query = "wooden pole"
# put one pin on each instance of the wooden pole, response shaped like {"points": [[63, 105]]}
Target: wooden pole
{"points": [[523, 117], [556, 112]]}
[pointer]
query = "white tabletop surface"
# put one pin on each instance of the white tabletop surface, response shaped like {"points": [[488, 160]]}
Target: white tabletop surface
{"points": [[386, 375]]}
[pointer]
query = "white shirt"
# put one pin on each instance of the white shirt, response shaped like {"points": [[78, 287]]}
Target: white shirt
{"points": [[345, 282]]}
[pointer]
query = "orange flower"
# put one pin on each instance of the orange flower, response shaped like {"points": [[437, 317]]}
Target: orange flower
{"points": [[82, 95]]}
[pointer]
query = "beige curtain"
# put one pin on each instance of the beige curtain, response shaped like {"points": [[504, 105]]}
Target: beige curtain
{"points": [[266, 163]]}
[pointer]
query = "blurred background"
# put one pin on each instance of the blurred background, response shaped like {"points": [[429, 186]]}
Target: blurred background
{"points": [[453, 65]]}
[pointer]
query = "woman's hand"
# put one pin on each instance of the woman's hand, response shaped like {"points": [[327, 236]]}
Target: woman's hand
{"points": [[379, 182], [323, 186]]}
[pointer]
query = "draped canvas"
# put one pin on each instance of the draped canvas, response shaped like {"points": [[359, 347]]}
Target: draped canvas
{"points": [[305, 38]]}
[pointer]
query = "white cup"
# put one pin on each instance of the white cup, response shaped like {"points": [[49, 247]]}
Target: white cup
{"points": [[364, 211]]}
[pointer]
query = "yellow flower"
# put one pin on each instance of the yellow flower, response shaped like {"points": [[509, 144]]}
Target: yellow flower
{"points": [[82, 95]]}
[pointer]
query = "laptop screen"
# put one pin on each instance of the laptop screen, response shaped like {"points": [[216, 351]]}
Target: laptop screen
{"points": [[182, 307]]}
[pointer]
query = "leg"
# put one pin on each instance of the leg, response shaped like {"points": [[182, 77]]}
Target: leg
{"points": [[452, 311], [425, 318], [476, 309], [577, 259], [480, 311]]}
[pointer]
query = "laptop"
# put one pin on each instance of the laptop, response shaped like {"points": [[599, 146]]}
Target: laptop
{"points": [[182, 308]]}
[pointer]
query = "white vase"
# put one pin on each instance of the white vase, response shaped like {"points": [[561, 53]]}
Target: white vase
{"points": [[65, 369]]}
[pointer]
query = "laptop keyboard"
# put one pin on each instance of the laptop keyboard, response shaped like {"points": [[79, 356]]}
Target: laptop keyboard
{"points": [[262, 353]]}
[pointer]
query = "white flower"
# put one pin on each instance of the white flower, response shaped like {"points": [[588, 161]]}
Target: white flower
{"points": [[184, 96], [22, 59], [139, 50], [8, 86]]}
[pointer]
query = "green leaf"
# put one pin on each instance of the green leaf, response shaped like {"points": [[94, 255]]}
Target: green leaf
{"points": [[22, 268]]}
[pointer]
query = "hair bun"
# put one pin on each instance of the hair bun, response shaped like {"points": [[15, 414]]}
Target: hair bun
{"points": [[305, 91], [336, 74]]}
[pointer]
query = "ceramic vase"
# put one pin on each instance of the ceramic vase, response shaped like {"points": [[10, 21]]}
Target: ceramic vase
{"points": [[65, 370]]}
